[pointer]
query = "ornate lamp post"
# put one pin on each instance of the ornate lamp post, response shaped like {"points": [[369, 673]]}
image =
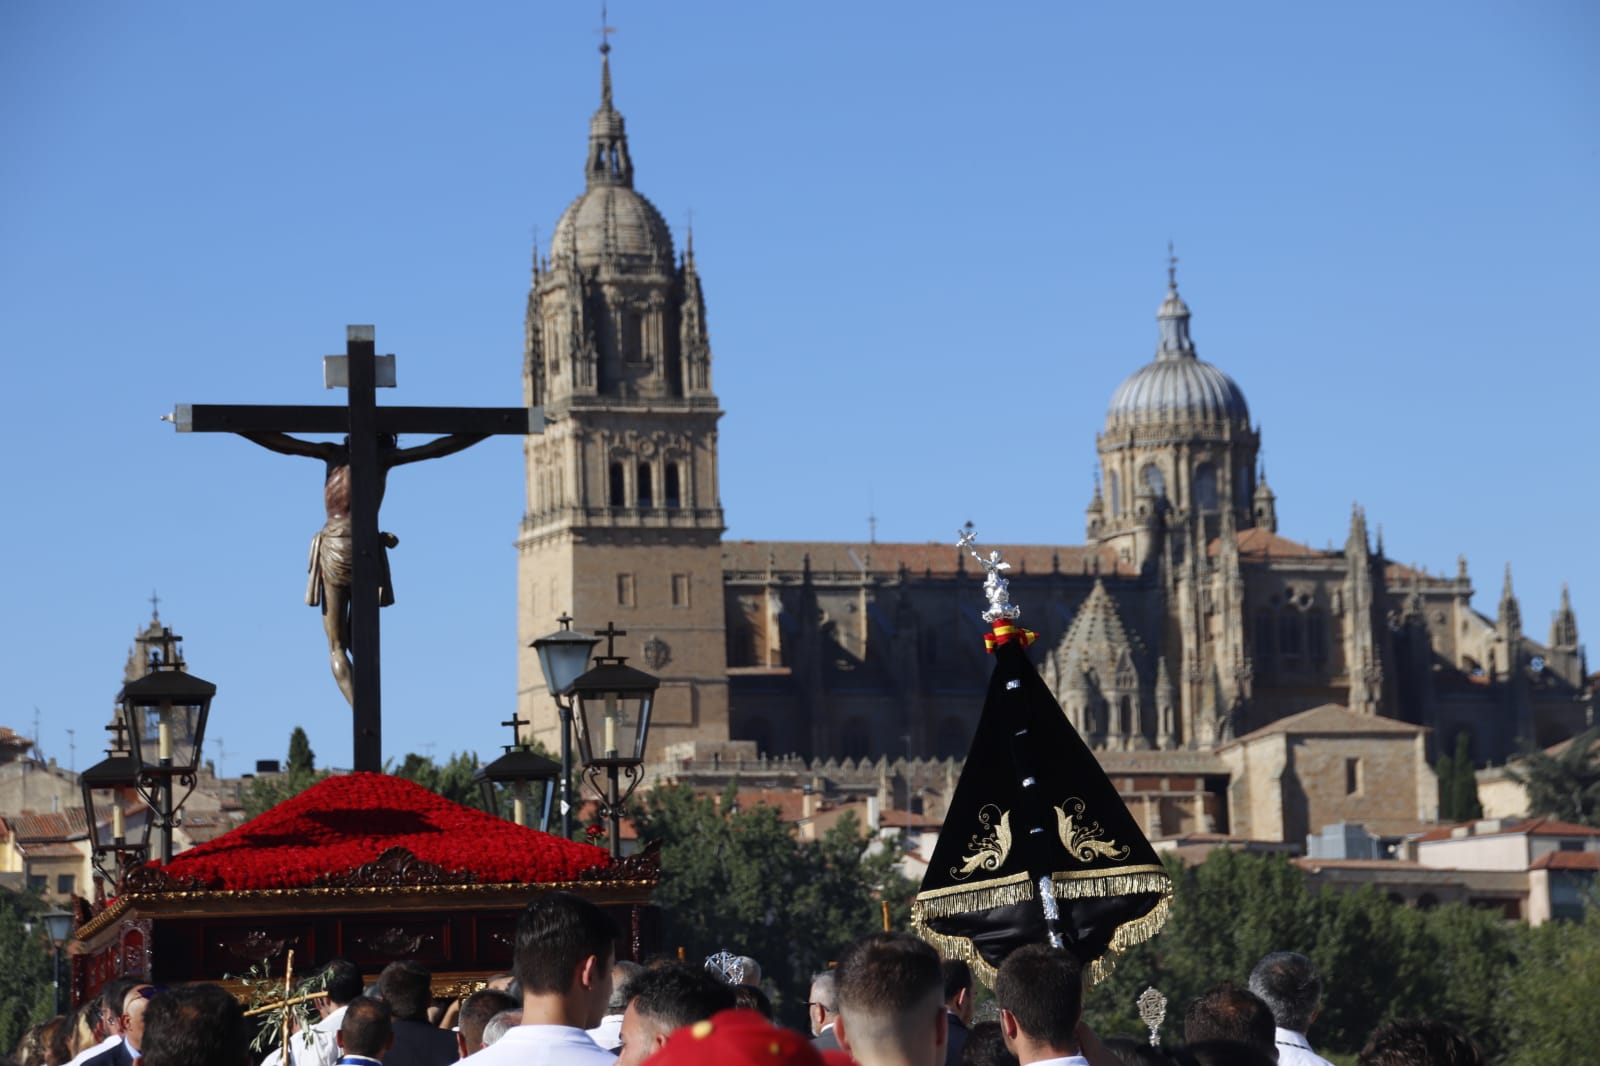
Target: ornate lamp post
{"points": [[517, 769], [166, 711], [613, 722], [112, 778], [563, 655]]}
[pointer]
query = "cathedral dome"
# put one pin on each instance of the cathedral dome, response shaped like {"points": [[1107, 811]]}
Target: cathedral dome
{"points": [[613, 220], [1177, 385], [1171, 389]]}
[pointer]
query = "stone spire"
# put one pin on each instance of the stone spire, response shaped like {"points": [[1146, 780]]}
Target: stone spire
{"points": [[609, 162], [1509, 618], [1264, 504], [1564, 624], [1174, 317]]}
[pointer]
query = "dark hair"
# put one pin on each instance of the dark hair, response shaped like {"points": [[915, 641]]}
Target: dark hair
{"points": [[1042, 987], [116, 991], [887, 974], [957, 977], [749, 997], [1288, 983], [986, 1046], [477, 1009], [57, 1034], [194, 1025], [342, 981], [1419, 1042], [678, 995], [407, 986], [1136, 1052], [367, 1027], [1224, 1053], [1228, 1012], [554, 935]]}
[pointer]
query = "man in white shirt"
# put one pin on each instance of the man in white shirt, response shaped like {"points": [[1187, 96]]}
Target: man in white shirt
{"points": [[1040, 993], [1289, 984], [891, 1002], [112, 1050], [564, 951], [319, 1045]]}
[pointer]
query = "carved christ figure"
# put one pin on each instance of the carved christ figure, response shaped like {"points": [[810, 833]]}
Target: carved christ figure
{"points": [[332, 549]]}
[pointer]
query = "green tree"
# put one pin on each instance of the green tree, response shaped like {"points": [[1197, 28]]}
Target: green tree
{"points": [[1565, 785], [740, 880], [453, 780], [301, 758], [300, 773], [1547, 1009], [27, 993], [1458, 783]]}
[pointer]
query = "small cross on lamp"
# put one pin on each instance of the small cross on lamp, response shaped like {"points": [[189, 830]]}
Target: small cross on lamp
{"points": [[516, 770], [613, 722]]}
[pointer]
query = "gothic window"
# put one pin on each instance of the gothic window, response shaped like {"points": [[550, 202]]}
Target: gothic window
{"points": [[1125, 723], [1289, 632], [646, 496], [1317, 634], [1205, 488], [1116, 493], [1154, 479], [1264, 636], [673, 487], [618, 488]]}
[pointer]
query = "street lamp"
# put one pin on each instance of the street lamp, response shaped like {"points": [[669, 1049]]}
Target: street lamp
{"points": [[613, 722], [57, 924], [112, 777], [518, 768], [563, 655], [166, 711]]}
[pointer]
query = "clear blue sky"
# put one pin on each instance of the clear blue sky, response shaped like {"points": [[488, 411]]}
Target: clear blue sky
{"points": [[932, 238]]}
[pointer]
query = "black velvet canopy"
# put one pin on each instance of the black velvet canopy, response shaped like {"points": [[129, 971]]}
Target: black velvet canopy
{"points": [[1032, 803]]}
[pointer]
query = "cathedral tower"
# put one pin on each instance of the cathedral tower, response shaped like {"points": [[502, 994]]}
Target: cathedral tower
{"points": [[1177, 447], [624, 519]]}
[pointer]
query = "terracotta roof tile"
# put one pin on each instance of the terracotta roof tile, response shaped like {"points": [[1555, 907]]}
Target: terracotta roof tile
{"points": [[51, 825], [1539, 827], [1262, 543], [1331, 718], [1567, 860]]}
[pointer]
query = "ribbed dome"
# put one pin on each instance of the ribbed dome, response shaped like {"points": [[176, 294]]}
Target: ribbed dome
{"points": [[1172, 389], [1177, 386], [617, 220]]}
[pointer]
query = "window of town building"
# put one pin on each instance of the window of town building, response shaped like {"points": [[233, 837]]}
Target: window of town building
{"points": [[618, 489], [646, 496], [625, 596], [680, 590], [1352, 777], [1205, 488], [66, 884], [674, 488]]}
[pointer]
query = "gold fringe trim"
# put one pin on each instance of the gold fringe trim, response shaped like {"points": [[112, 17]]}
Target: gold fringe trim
{"points": [[1067, 885], [959, 899]]}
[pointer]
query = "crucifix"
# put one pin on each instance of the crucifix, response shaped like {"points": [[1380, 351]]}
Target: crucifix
{"points": [[349, 569]]}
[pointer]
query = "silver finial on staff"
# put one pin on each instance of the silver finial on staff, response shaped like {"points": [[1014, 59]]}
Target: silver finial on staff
{"points": [[995, 587], [1152, 1011]]}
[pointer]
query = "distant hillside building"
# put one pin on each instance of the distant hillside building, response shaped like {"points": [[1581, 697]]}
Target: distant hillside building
{"points": [[1183, 626]]}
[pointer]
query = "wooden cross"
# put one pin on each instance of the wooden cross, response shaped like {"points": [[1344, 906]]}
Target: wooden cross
{"points": [[359, 371]]}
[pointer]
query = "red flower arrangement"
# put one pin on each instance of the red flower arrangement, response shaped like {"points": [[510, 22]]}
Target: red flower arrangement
{"points": [[343, 822]]}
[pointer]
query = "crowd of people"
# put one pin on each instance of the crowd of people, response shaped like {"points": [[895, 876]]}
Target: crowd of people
{"points": [[890, 1001]]}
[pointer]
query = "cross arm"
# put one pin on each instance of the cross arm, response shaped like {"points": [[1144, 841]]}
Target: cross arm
{"points": [[287, 418]]}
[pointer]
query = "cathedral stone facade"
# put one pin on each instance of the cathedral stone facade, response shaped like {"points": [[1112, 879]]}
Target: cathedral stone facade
{"points": [[1183, 625]]}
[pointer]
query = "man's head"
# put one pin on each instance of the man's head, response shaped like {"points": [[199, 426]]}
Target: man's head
{"points": [[565, 947], [1419, 1043], [1228, 1012], [195, 1025], [134, 1005], [342, 981], [111, 1000], [891, 1005], [367, 1028], [476, 1010], [664, 999], [958, 989], [1040, 993], [407, 987], [622, 974], [823, 1006], [1289, 984], [501, 1024]]}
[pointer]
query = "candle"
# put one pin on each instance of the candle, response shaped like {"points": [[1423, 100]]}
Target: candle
{"points": [[518, 815], [611, 726], [118, 830], [164, 738]]}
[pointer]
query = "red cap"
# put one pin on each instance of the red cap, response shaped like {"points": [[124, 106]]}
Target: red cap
{"points": [[736, 1038]]}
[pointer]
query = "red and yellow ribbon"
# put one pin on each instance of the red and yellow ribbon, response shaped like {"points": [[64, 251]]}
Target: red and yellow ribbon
{"points": [[1005, 632]]}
